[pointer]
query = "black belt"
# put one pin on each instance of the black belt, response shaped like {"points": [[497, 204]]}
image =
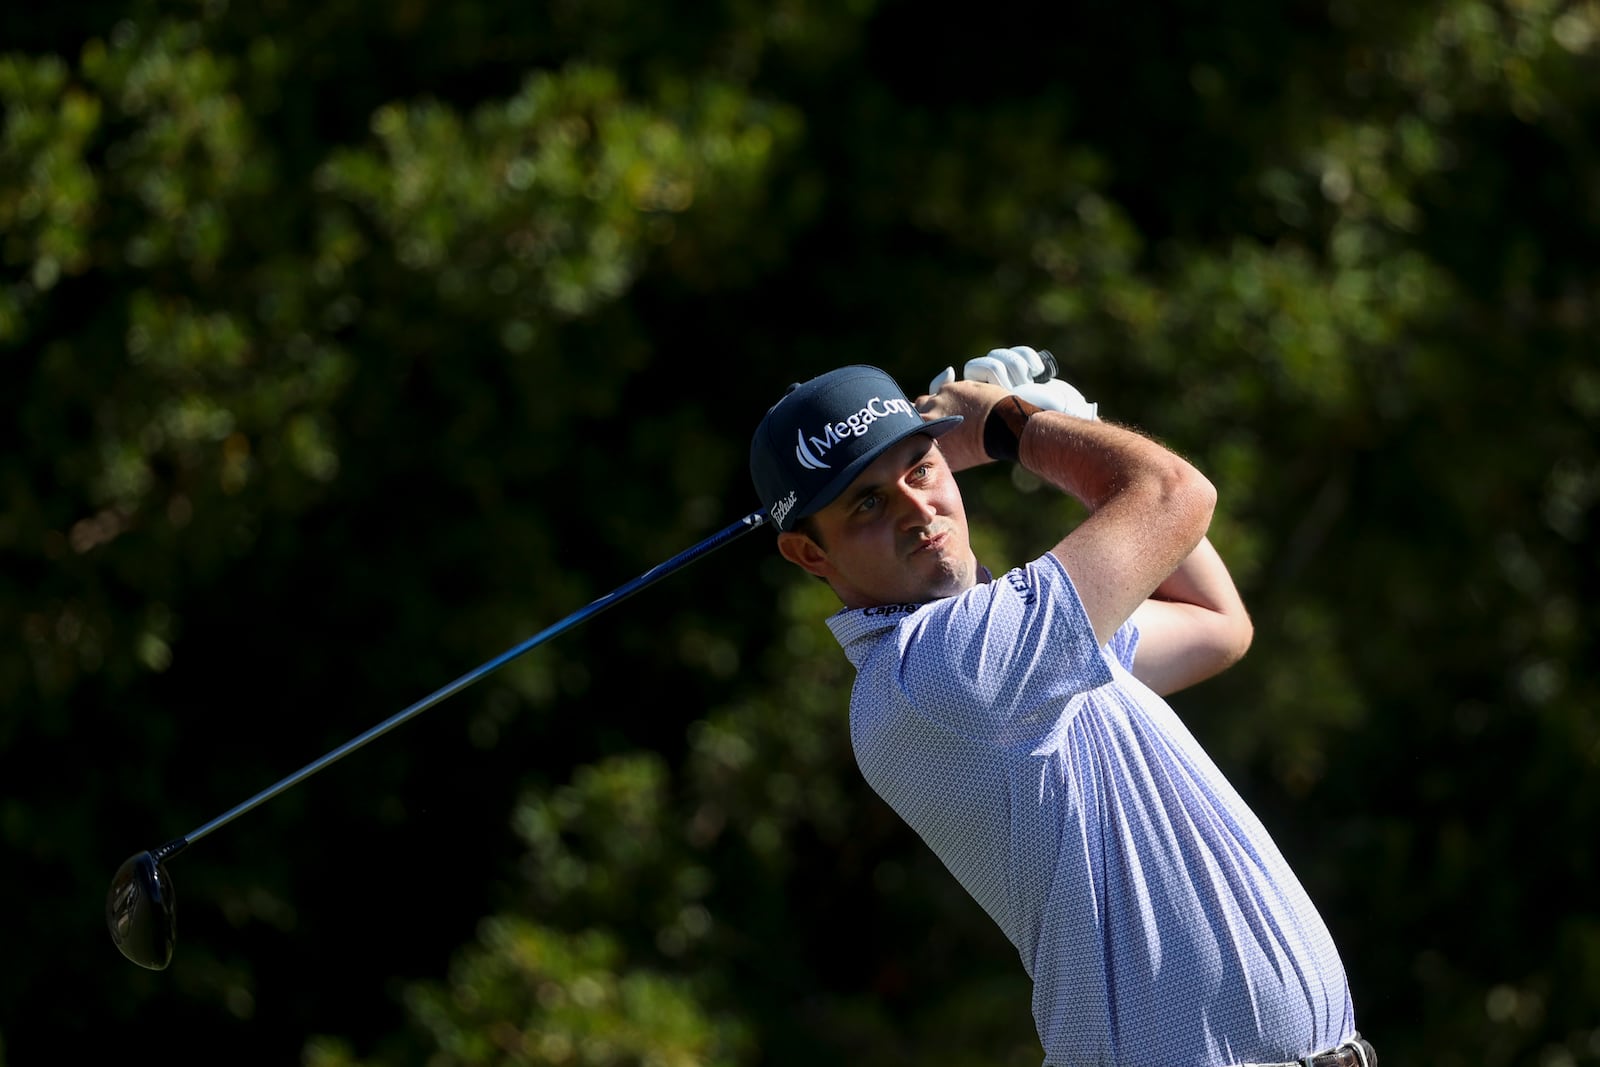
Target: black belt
{"points": [[1357, 1052]]}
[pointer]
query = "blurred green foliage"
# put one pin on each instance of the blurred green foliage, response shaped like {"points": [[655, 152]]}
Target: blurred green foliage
{"points": [[347, 345]]}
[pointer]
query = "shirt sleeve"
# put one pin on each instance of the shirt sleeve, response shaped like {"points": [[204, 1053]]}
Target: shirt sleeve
{"points": [[1001, 662], [1124, 643]]}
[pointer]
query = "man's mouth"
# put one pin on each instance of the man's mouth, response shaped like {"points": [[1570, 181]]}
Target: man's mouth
{"points": [[932, 543]]}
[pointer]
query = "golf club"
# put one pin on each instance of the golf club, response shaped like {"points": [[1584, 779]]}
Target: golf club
{"points": [[140, 905]]}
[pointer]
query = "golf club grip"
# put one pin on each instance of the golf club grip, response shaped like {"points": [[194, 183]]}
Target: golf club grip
{"points": [[1050, 368]]}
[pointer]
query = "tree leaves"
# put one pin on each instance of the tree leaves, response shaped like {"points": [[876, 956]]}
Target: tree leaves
{"points": [[346, 346]]}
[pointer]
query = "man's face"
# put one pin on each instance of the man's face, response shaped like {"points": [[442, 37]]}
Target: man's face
{"points": [[897, 535]]}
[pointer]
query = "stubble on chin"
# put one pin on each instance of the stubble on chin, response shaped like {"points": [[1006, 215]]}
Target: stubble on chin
{"points": [[956, 574]]}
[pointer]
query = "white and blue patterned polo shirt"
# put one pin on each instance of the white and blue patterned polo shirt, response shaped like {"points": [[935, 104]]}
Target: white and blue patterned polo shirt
{"points": [[1155, 915]]}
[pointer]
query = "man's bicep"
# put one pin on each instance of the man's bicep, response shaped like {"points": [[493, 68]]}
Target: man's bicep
{"points": [[1181, 644], [1116, 558]]}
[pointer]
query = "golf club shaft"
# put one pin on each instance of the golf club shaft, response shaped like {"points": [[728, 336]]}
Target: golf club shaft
{"points": [[616, 596]]}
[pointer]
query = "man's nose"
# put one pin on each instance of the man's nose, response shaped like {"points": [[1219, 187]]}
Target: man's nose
{"points": [[915, 506]]}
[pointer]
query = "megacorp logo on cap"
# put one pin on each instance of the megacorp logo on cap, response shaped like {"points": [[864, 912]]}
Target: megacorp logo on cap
{"points": [[810, 449], [824, 432]]}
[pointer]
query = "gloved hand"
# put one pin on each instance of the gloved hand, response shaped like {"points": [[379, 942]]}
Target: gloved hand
{"points": [[1017, 371]]}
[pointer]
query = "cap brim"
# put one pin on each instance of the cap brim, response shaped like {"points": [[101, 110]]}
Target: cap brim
{"points": [[841, 481]]}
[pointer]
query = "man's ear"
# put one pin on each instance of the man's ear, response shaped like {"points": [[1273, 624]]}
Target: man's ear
{"points": [[799, 549]]}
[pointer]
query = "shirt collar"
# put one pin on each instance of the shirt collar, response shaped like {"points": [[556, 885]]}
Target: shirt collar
{"points": [[853, 626]]}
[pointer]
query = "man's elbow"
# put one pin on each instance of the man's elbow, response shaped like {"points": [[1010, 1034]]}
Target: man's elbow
{"points": [[1191, 499], [1225, 643], [1235, 638]]}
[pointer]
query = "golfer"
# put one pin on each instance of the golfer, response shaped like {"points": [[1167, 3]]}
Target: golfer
{"points": [[1017, 723]]}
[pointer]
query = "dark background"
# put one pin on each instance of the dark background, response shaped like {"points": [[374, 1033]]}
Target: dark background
{"points": [[344, 346]]}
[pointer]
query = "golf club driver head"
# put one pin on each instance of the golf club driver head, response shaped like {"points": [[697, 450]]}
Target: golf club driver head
{"points": [[140, 911]]}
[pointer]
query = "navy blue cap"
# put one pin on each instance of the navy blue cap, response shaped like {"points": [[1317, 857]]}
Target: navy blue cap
{"points": [[814, 442]]}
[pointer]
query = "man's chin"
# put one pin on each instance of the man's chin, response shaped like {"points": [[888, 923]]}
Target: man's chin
{"points": [[952, 578]]}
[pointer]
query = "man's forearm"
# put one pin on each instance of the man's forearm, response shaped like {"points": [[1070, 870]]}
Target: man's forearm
{"points": [[1202, 579], [1149, 508], [1095, 461]]}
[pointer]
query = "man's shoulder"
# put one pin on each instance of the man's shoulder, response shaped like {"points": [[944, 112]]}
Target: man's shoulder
{"points": [[1015, 590]]}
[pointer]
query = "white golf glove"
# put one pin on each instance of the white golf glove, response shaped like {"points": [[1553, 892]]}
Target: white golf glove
{"points": [[1015, 370]]}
